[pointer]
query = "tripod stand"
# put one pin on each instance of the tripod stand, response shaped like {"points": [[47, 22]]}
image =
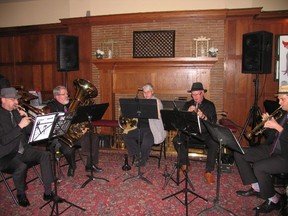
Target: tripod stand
{"points": [[140, 109], [224, 137], [91, 113], [253, 113], [181, 121], [177, 168], [48, 127]]}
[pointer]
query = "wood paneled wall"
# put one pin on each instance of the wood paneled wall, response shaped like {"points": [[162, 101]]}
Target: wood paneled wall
{"points": [[28, 54]]}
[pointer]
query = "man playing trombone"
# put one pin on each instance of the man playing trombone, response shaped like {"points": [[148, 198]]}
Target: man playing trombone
{"points": [[15, 152], [260, 162]]}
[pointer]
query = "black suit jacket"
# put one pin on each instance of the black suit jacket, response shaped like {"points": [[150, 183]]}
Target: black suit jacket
{"points": [[10, 135]]}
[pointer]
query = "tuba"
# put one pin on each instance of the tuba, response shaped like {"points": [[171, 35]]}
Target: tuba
{"points": [[84, 91]]}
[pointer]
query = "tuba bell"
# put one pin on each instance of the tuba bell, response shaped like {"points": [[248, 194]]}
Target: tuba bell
{"points": [[84, 91]]}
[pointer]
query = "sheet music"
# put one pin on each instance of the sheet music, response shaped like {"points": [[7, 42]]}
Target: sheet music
{"points": [[63, 123], [42, 127]]}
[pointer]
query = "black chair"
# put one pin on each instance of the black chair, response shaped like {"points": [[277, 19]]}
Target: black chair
{"points": [[159, 148], [6, 175]]}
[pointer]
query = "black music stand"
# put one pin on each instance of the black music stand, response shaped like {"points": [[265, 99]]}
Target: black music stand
{"points": [[172, 121], [185, 122], [139, 108], [224, 137], [90, 113], [47, 127]]}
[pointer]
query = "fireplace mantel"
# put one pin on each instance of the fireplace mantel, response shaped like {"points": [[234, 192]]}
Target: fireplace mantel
{"points": [[203, 62], [170, 76]]}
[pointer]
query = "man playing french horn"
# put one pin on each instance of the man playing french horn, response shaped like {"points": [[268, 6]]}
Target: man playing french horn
{"points": [[60, 103], [260, 162]]}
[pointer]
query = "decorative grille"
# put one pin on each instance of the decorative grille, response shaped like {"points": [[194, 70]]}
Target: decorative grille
{"points": [[153, 44]]}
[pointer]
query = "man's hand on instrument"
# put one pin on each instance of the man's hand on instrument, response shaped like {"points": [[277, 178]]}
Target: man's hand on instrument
{"points": [[84, 130], [24, 122], [273, 124], [265, 116], [191, 108], [201, 115]]}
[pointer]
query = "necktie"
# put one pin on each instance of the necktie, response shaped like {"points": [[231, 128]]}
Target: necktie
{"points": [[276, 145], [65, 109], [21, 146]]}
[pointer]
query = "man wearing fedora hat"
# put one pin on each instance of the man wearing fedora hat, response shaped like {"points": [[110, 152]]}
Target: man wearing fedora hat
{"points": [[15, 152], [205, 110], [260, 162]]}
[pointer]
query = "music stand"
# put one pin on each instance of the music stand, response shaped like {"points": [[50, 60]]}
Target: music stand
{"points": [[139, 108], [47, 127], [90, 113], [224, 137], [172, 121], [185, 122]]}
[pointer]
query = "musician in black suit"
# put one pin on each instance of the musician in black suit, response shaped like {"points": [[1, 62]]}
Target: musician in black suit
{"points": [[60, 103], [260, 162], [15, 152], [206, 110]]}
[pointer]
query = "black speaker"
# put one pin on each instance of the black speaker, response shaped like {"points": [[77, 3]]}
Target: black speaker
{"points": [[257, 52], [67, 53]]}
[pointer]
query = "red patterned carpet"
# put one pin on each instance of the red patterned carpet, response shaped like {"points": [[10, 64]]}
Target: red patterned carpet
{"points": [[134, 196]]}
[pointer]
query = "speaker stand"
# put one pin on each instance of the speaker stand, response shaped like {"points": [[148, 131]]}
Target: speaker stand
{"points": [[253, 113]]}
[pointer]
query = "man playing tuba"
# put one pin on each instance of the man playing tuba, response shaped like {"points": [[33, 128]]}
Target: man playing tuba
{"points": [[60, 103]]}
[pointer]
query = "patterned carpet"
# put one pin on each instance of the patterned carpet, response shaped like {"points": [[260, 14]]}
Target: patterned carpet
{"points": [[134, 196]]}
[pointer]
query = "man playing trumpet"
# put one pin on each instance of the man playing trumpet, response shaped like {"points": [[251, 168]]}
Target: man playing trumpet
{"points": [[260, 162]]}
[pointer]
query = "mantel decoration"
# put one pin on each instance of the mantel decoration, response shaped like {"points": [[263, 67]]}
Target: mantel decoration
{"points": [[99, 54], [110, 48], [201, 47], [213, 52]]}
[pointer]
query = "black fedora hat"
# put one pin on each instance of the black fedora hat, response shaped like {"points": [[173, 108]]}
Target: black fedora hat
{"points": [[197, 86]]}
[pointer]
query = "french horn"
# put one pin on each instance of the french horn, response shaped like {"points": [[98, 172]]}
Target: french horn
{"points": [[127, 124]]}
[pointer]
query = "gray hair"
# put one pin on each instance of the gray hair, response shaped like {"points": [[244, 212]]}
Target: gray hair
{"points": [[57, 89], [148, 86]]}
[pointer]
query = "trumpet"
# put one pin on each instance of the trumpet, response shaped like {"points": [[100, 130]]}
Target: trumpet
{"points": [[259, 129]]}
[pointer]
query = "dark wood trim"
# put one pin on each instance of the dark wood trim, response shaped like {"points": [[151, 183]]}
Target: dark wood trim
{"points": [[161, 16]]}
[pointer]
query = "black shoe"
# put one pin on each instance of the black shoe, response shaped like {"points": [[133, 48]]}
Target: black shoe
{"points": [[48, 197], [250, 192], [94, 167], [267, 207], [22, 200], [71, 172]]}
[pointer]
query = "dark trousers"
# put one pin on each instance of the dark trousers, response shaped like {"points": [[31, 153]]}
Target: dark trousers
{"points": [[19, 166], [182, 142], [84, 143], [256, 165], [146, 140]]}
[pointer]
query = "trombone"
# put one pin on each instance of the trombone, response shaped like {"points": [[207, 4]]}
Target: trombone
{"points": [[259, 129]]}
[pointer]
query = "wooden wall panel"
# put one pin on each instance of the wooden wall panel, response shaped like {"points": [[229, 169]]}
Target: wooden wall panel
{"points": [[28, 55]]}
